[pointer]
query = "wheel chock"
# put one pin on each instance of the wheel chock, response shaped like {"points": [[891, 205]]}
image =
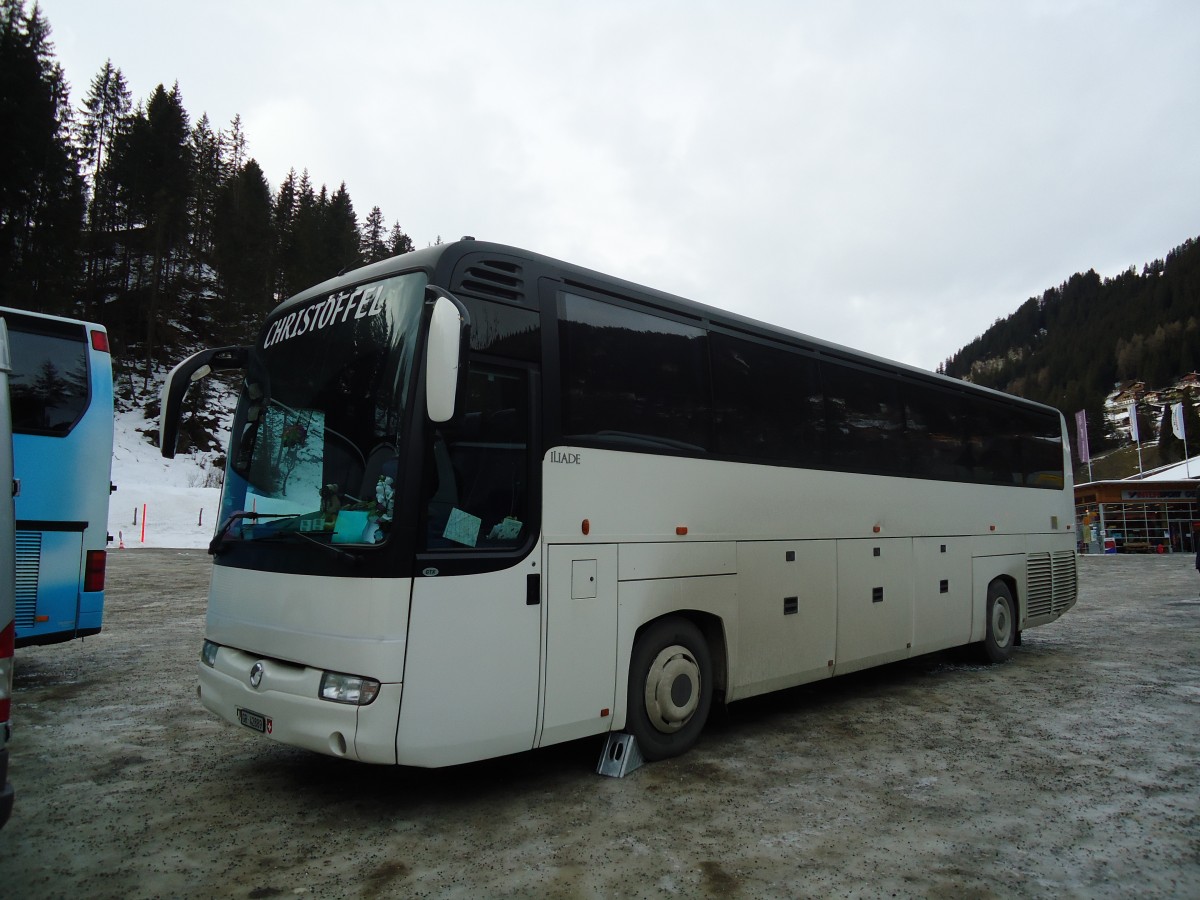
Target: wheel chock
{"points": [[620, 756]]}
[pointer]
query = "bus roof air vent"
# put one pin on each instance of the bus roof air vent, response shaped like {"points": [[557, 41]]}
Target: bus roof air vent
{"points": [[494, 279]]}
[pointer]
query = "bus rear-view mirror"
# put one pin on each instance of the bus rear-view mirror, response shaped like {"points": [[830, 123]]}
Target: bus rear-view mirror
{"points": [[194, 368], [444, 358]]}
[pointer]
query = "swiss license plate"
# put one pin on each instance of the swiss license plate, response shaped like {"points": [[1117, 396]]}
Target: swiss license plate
{"points": [[254, 720]]}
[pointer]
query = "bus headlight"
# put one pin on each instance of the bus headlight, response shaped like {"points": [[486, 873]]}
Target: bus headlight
{"points": [[348, 689], [208, 654]]}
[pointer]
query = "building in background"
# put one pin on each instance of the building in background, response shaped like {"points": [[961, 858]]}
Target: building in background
{"points": [[1155, 513]]}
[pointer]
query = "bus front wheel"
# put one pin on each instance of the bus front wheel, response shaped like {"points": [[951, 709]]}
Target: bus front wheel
{"points": [[670, 688], [1001, 618]]}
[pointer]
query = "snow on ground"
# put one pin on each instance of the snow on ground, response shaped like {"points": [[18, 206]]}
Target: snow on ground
{"points": [[179, 510]]}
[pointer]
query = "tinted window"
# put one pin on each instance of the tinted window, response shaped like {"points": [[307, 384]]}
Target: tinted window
{"points": [[477, 466], [504, 330], [767, 402], [49, 381], [937, 424], [638, 380], [632, 379], [1042, 450], [865, 420], [996, 445]]}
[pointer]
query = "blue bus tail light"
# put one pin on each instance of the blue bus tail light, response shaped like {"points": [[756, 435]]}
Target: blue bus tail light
{"points": [[93, 573], [99, 341]]}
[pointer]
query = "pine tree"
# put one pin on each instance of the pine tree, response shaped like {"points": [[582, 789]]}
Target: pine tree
{"points": [[340, 233], [243, 246], [398, 241], [237, 144], [209, 170], [283, 215], [152, 167], [104, 111], [373, 248], [302, 241], [41, 190], [105, 114]]}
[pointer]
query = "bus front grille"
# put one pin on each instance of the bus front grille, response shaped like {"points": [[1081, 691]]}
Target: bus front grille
{"points": [[29, 558], [1051, 582]]}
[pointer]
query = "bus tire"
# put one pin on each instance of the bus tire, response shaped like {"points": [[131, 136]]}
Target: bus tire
{"points": [[1001, 619], [670, 688]]}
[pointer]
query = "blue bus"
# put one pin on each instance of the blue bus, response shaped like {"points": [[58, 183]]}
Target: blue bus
{"points": [[62, 422]]}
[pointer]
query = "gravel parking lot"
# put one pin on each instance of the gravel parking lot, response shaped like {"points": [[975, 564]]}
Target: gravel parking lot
{"points": [[1073, 770]]}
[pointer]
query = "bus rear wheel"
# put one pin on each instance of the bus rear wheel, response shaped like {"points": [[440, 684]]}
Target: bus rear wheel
{"points": [[1001, 617], [670, 688]]}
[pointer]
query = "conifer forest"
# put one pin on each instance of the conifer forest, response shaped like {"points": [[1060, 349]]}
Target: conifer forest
{"points": [[164, 228]]}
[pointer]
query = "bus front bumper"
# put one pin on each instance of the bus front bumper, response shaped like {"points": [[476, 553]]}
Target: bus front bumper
{"points": [[286, 707]]}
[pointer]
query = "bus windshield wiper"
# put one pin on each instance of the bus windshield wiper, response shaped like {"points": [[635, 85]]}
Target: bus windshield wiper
{"points": [[221, 537], [345, 556]]}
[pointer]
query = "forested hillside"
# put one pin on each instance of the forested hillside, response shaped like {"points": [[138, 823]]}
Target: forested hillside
{"points": [[160, 226], [1074, 344]]}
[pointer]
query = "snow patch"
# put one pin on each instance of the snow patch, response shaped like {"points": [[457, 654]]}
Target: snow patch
{"points": [[159, 502]]}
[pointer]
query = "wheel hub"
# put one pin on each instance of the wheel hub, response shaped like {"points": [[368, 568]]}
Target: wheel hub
{"points": [[1001, 623], [672, 689]]}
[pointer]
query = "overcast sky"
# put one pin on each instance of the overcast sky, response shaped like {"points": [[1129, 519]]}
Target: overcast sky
{"points": [[891, 176]]}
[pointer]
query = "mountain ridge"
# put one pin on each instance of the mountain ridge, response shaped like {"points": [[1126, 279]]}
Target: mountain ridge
{"points": [[1080, 342]]}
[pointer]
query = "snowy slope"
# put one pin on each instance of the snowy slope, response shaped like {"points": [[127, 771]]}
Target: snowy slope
{"points": [[179, 510]]}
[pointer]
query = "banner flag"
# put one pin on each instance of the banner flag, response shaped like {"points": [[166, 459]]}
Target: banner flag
{"points": [[1133, 429], [1177, 421], [1081, 440]]}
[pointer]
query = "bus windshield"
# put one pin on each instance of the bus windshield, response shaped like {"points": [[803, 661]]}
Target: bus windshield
{"points": [[318, 430]]}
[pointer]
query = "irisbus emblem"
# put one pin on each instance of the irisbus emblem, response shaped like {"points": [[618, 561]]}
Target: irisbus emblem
{"points": [[256, 674]]}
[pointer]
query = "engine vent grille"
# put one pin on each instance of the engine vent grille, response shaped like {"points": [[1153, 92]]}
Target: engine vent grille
{"points": [[1052, 582], [493, 278], [1040, 601], [1065, 583], [29, 559]]}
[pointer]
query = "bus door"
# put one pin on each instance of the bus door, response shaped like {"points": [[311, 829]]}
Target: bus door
{"points": [[473, 661], [581, 641]]}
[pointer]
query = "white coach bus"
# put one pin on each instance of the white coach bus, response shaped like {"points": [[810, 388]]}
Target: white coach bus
{"points": [[479, 501]]}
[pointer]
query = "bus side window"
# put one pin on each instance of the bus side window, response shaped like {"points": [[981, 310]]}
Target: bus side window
{"points": [[476, 472]]}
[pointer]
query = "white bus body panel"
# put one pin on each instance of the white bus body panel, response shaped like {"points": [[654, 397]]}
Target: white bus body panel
{"points": [[287, 697], [628, 497], [643, 601], [874, 603], [473, 668], [358, 626], [299, 627], [778, 648], [581, 642], [942, 593], [679, 522]]}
